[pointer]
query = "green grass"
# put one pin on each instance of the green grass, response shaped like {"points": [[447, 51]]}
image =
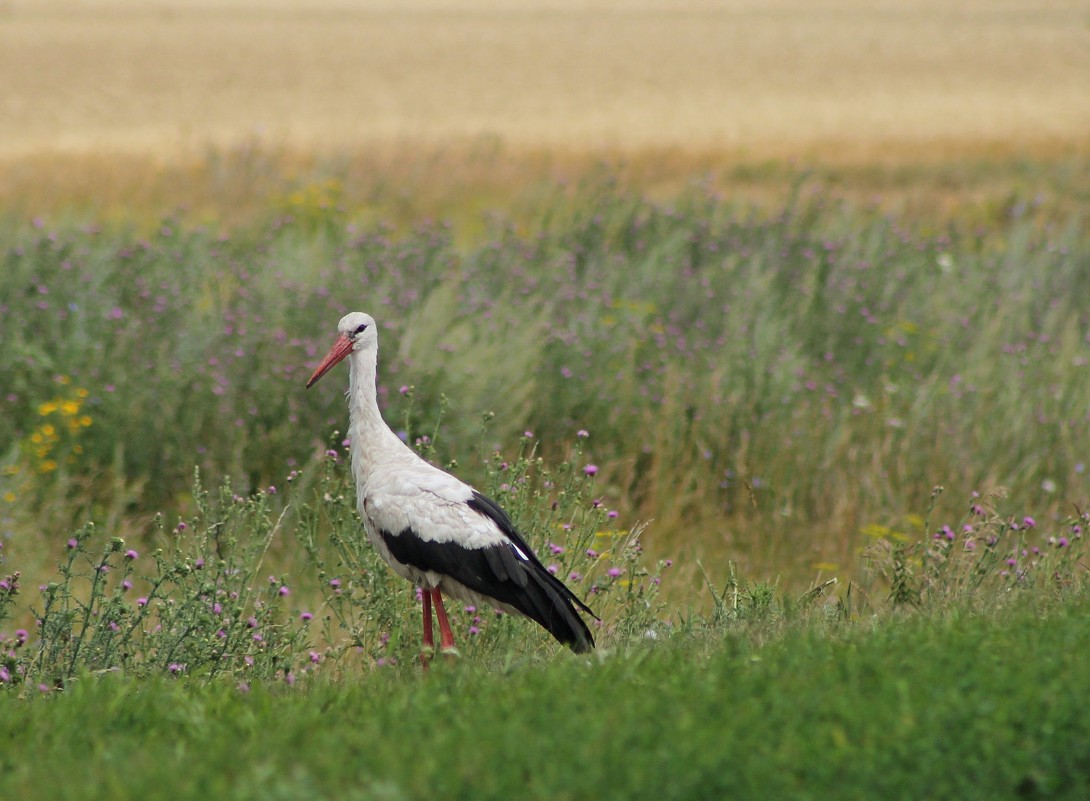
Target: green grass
{"points": [[748, 376], [945, 706], [780, 390]]}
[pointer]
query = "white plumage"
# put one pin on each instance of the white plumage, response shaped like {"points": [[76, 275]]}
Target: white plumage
{"points": [[432, 528]]}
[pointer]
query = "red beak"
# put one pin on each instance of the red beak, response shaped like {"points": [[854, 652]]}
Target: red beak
{"points": [[341, 348]]}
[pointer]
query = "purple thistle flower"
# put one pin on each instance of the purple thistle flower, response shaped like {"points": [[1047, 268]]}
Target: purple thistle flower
{"points": [[306, 617], [284, 591], [175, 668], [613, 572], [553, 569], [141, 601], [593, 554], [72, 543], [1029, 522], [556, 549], [315, 657], [131, 554], [612, 514], [474, 631], [590, 470], [334, 583], [1061, 542], [126, 585], [582, 433]]}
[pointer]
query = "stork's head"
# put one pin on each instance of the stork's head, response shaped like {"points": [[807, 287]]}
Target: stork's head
{"points": [[357, 331]]}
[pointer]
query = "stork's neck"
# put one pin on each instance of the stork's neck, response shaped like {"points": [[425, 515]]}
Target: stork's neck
{"points": [[371, 437]]}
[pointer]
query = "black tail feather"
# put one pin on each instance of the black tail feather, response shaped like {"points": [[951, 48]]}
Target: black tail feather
{"points": [[549, 603]]}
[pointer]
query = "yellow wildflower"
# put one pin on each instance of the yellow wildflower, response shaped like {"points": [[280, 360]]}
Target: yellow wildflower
{"points": [[48, 465], [85, 421], [47, 409], [70, 408]]}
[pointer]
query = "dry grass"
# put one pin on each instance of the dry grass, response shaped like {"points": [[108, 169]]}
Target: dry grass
{"points": [[785, 77], [453, 108]]}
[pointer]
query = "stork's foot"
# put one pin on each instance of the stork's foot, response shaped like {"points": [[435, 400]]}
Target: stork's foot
{"points": [[426, 654]]}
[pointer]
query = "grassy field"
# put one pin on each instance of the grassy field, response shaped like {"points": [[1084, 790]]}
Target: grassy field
{"points": [[766, 322], [947, 705], [798, 372], [762, 79]]}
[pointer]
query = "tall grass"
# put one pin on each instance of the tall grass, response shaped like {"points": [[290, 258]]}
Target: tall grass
{"points": [[760, 385]]}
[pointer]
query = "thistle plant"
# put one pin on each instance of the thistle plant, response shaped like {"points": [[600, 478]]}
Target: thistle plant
{"points": [[197, 605], [986, 554]]}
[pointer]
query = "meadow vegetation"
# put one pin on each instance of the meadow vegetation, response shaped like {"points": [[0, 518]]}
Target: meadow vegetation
{"points": [[819, 468]]}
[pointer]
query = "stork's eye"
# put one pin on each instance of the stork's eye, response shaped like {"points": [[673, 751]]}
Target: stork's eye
{"points": [[359, 329]]}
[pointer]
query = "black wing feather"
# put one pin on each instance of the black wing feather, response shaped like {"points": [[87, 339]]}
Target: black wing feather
{"points": [[501, 573]]}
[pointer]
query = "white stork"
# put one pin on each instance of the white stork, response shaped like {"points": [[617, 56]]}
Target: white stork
{"points": [[433, 529]]}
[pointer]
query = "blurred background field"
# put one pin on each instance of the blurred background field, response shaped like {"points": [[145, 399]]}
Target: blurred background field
{"points": [[790, 264]]}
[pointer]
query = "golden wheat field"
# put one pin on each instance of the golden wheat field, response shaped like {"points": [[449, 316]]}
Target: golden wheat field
{"points": [[853, 79]]}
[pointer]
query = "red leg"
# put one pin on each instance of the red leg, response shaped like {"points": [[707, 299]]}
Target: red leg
{"points": [[429, 638], [447, 641]]}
